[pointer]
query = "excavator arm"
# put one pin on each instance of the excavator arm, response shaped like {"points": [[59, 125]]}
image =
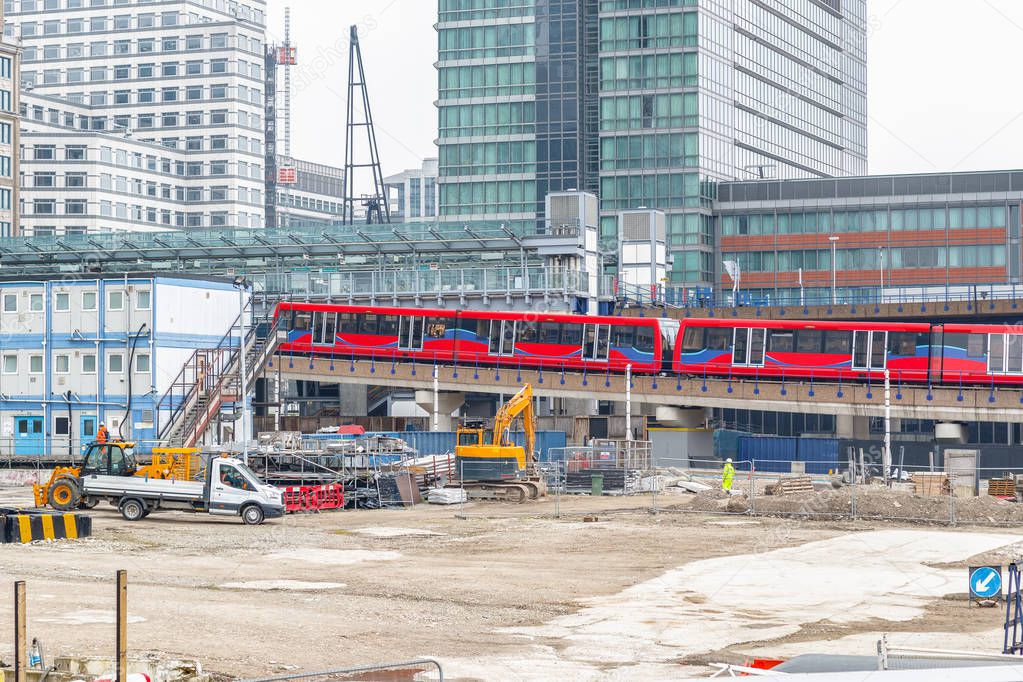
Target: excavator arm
{"points": [[519, 404]]}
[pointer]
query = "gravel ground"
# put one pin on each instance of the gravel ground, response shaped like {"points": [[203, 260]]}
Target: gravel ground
{"points": [[317, 591], [871, 502]]}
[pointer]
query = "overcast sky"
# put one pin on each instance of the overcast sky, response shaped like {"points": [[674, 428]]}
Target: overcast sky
{"points": [[944, 87]]}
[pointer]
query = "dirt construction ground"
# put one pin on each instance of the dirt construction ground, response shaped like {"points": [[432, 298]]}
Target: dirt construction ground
{"points": [[507, 591]]}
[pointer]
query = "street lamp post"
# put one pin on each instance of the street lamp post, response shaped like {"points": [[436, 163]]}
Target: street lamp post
{"points": [[242, 285], [834, 266]]}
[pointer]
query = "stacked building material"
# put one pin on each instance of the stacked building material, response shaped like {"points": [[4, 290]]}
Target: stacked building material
{"points": [[447, 496], [931, 484], [792, 486]]}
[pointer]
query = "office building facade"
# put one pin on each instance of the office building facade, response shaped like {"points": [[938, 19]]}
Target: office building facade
{"points": [[316, 196], [81, 181], [413, 193], [932, 233], [187, 76], [646, 102], [511, 102], [10, 90]]}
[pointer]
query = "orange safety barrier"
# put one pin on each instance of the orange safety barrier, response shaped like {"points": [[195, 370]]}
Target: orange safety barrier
{"points": [[314, 497]]}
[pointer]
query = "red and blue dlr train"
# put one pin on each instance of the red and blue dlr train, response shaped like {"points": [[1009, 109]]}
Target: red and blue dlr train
{"points": [[768, 349]]}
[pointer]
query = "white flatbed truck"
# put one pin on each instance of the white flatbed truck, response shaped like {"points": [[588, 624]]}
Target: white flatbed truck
{"points": [[228, 488]]}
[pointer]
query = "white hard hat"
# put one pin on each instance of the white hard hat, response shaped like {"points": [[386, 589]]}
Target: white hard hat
{"points": [[102, 424], [729, 460]]}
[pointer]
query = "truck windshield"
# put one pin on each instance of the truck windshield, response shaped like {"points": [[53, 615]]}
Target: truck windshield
{"points": [[248, 473]]}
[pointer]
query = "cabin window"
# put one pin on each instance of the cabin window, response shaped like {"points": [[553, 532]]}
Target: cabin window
{"points": [[782, 341], [719, 338], [550, 332], [838, 342], [644, 340], [692, 340]]}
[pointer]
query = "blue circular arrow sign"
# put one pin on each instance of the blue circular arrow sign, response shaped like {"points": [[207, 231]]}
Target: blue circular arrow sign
{"points": [[985, 582]]}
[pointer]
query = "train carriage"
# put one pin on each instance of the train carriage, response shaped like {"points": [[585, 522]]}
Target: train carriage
{"points": [[478, 337], [853, 351]]}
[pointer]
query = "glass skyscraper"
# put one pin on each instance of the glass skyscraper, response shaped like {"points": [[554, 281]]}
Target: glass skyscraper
{"points": [[647, 103]]}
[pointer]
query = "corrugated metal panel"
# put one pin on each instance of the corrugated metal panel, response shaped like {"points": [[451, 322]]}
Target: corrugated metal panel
{"points": [[776, 454], [773, 455], [820, 454]]}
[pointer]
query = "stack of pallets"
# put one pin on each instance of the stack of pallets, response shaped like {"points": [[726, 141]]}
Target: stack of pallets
{"points": [[793, 486], [931, 484], [1001, 487]]}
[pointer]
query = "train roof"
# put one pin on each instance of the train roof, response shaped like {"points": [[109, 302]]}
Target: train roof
{"points": [[839, 325], [533, 316]]}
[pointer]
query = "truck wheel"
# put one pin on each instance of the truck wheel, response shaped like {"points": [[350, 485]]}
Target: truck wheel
{"points": [[133, 510], [64, 495], [252, 515], [89, 502]]}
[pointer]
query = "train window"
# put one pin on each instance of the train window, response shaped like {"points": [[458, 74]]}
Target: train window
{"points": [[692, 340], [317, 326], [644, 340], [368, 324], [809, 341], [719, 338], [303, 321], [328, 329], [959, 341], [572, 334], [782, 341], [527, 332], [550, 332], [997, 356], [388, 325], [975, 346], [347, 323], [740, 349], [902, 343], [1013, 353], [838, 342], [623, 337], [469, 326], [508, 338], [436, 327]]}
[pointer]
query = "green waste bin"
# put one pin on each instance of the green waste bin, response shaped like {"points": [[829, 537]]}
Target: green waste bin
{"points": [[597, 483]]}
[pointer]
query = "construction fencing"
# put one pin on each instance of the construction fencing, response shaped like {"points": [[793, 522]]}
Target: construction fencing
{"points": [[418, 669], [612, 467]]}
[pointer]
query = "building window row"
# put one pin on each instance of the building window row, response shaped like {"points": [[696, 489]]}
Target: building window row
{"points": [[882, 220], [99, 74], [243, 11], [87, 363], [871, 259]]}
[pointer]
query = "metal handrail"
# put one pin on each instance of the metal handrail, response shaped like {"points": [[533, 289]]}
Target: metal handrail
{"points": [[222, 362], [226, 377]]}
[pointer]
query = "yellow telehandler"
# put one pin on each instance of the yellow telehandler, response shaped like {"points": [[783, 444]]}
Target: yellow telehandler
{"points": [[63, 491]]}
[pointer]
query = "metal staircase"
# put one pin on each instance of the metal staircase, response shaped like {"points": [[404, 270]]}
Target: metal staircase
{"points": [[210, 382]]}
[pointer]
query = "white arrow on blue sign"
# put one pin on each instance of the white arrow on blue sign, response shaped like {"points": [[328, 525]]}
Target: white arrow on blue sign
{"points": [[985, 582]]}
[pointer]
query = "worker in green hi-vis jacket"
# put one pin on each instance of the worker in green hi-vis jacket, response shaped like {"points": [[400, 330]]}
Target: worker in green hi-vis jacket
{"points": [[727, 475]]}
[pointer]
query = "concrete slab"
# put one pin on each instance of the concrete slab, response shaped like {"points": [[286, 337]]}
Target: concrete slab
{"points": [[693, 609]]}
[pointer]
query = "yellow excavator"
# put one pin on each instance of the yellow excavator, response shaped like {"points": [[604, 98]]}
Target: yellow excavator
{"points": [[63, 491], [489, 464]]}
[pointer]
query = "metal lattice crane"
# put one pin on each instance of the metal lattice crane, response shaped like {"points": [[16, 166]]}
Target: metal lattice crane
{"points": [[378, 209]]}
